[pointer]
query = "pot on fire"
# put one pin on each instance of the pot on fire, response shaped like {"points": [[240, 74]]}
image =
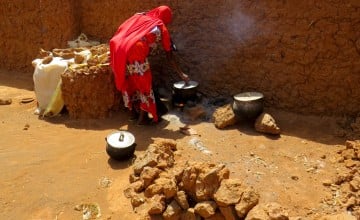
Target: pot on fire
{"points": [[185, 91], [248, 105]]}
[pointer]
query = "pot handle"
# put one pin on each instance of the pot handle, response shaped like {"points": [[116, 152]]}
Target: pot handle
{"points": [[121, 138]]}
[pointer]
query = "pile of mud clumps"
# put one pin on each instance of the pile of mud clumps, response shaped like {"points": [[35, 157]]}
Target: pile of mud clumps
{"points": [[88, 87], [345, 187], [163, 188]]}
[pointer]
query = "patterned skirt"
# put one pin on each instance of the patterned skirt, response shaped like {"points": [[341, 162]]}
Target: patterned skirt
{"points": [[137, 92]]}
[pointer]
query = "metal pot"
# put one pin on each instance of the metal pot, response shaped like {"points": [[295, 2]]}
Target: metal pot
{"points": [[120, 145], [185, 91], [248, 105]]}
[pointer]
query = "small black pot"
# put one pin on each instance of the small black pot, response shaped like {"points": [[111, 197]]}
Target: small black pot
{"points": [[185, 91], [120, 145]]}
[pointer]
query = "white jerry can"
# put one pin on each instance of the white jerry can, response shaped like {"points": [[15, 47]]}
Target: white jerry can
{"points": [[46, 78]]}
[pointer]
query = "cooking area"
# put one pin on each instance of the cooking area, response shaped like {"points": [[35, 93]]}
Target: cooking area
{"points": [[254, 114]]}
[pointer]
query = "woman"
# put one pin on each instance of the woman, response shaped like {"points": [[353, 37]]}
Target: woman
{"points": [[129, 49]]}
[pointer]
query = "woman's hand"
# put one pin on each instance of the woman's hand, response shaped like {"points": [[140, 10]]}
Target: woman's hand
{"points": [[184, 77]]}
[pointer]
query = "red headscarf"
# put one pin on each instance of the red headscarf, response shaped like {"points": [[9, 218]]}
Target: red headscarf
{"points": [[129, 33]]}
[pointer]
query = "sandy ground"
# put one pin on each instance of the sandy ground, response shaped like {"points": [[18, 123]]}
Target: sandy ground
{"points": [[50, 166]]}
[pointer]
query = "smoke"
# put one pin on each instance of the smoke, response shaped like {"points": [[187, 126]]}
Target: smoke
{"points": [[239, 26]]}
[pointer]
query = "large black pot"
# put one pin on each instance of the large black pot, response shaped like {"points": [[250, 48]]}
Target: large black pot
{"points": [[185, 91], [120, 145], [248, 105]]}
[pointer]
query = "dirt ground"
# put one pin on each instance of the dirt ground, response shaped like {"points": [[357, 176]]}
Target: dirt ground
{"points": [[48, 166]]}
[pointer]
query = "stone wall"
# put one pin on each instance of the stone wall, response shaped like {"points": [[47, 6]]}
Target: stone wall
{"points": [[303, 55]]}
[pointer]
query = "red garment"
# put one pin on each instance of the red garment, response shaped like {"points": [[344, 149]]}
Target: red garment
{"points": [[130, 32], [137, 88], [130, 46]]}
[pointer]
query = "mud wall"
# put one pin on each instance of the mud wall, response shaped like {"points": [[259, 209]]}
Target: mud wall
{"points": [[303, 55], [28, 25]]}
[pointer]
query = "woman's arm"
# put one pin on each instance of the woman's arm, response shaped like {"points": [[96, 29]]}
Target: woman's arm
{"points": [[166, 43], [174, 65]]}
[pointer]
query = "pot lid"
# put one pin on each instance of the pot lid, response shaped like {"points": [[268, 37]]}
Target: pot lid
{"points": [[120, 139], [248, 96], [183, 85]]}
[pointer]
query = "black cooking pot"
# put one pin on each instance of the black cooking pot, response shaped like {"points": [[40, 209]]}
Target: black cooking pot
{"points": [[185, 91], [120, 145], [248, 105]]}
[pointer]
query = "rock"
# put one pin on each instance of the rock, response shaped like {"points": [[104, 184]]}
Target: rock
{"points": [[208, 183], [250, 198], [159, 154], [169, 187], [148, 159], [265, 123], [152, 190], [163, 142], [172, 212], [229, 192], [134, 187], [165, 186], [269, 211], [164, 152], [137, 200], [181, 199], [148, 175], [201, 180], [156, 205], [224, 117], [189, 178], [257, 213], [205, 209]]}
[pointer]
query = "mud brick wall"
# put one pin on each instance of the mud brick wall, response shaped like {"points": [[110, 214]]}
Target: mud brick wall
{"points": [[89, 92], [303, 55], [27, 25]]}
